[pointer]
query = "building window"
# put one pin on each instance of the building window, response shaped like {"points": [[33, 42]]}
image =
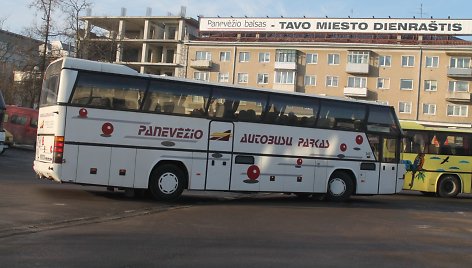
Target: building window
{"points": [[332, 81], [225, 56], [404, 107], [243, 78], [357, 82], [430, 85], [383, 83], [262, 78], [359, 57], [429, 109], [406, 84], [223, 77], [458, 86], [408, 61], [204, 76], [457, 110], [285, 55], [311, 58], [264, 57], [333, 59], [203, 55], [310, 80], [460, 62], [244, 56], [432, 62], [385, 61], [285, 77]]}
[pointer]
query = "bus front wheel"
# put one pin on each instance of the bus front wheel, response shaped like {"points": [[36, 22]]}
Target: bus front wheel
{"points": [[167, 182], [449, 186], [340, 187]]}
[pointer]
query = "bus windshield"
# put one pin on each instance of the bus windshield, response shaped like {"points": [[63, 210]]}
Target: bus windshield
{"points": [[51, 85]]}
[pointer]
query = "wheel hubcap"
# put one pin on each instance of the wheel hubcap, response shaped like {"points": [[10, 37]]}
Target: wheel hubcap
{"points": [[168, 183], [337, 186]]}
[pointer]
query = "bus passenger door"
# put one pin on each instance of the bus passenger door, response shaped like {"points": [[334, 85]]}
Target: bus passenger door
{"points": [[389, 165], [219, 157]]}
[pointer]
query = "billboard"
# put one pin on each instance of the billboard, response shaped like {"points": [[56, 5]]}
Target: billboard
{"points": [[339, 25]]}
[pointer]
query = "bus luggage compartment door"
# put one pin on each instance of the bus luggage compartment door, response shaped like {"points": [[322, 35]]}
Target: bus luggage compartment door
{"points": [[387, 181], [93, 165], [219, 157]]}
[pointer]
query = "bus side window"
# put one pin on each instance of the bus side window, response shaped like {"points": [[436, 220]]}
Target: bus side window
{"points": [[390, 149], [108, 91], [418, 143], [382, 119], [238, 105], [342, 115], [292, 111], [176, 98]]}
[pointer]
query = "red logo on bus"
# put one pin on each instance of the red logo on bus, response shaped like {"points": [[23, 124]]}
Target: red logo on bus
{"points": [[253, 172], [107, 129], [359, 139], [83, 113]]}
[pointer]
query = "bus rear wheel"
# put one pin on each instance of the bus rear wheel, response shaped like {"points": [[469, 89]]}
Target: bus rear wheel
{"points": [[449, 186], [167, 182], [340, 187]]}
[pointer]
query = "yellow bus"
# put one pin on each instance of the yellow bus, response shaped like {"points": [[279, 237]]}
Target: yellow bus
{"points": [[438, 159]]}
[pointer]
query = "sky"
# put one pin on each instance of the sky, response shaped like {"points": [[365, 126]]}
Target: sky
{"points": [[15, 15]]}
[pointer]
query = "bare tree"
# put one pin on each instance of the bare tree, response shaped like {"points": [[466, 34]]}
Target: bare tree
{"points": [[46, 8], [73, 9]]}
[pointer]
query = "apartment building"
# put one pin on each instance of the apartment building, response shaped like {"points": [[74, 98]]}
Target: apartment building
{"points": [[418, 66], [426, 77], [149, 44]]}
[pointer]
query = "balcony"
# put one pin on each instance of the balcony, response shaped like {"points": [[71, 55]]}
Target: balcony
{"points": [[355, 92], [201, 64], [285, 65], [459, 72], [357, 68], [458, 96]]}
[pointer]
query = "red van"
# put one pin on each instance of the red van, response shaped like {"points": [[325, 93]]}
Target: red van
{"points": [[22, 123]]}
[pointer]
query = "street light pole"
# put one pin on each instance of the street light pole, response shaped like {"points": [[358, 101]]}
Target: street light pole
{"points": [[35, 77]]}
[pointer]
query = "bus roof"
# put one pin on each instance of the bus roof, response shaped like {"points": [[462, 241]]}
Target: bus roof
{"points": [[74, 63], [81, 64], [411, 125]]}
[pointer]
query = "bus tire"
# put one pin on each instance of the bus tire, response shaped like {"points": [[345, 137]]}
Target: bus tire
{"points": [[340, 187], [449, 186], [167, 182]]}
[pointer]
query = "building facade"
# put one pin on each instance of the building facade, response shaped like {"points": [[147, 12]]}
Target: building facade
{"points": [[149, 44], [425, 73]]}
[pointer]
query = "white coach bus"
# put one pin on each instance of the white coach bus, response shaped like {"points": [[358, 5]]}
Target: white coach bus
{"points": [[105, 124]]}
